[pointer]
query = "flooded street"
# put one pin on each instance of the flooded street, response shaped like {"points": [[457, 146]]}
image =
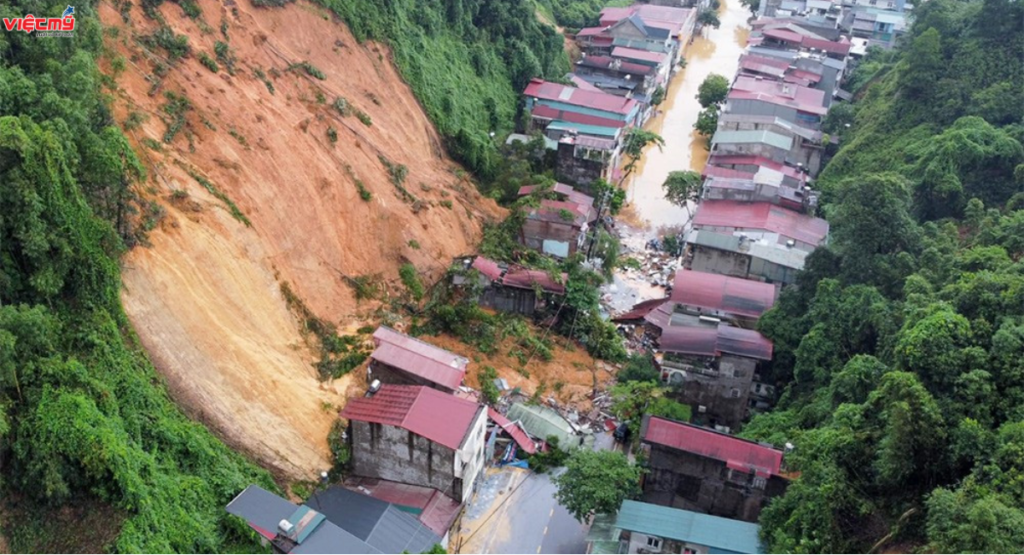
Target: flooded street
{"points": [[717, 51], [647, 214]]}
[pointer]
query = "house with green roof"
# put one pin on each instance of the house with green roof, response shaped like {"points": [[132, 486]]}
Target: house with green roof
{"points": [[646, 528]]}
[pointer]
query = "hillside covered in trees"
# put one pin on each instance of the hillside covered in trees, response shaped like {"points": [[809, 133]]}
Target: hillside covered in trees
{"points": [[902, 347], [84, 420]]}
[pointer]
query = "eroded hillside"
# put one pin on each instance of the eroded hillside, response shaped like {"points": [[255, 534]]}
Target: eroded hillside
{"points": [[263, 177]]}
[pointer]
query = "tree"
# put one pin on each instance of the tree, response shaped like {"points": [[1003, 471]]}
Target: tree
{"points": [[707, 122], [639, 368], [658, 96], [637, 139], [633, 399], [713, 90], [596, 482], [709, 18], [752, 5], [683, 187]]}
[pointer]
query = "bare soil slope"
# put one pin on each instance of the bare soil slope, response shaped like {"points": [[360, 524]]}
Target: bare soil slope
{"points": [[205, 296]]}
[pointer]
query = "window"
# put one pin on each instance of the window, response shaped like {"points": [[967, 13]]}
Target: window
{"points": [[735, 393], [653, 543], [759, 482]]}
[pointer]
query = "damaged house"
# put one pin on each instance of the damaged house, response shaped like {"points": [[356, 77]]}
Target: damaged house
{"points": [[419, 436], [558, 227], [401, 359], [511, 289], [697, 469]]}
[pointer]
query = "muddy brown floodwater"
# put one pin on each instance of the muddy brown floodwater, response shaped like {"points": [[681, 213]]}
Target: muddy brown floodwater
{"points": [[647, 213], [716, 51]]}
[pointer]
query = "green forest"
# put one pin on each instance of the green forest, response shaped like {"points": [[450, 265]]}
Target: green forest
{"points": [[467, 61], [901, 348], [84, 419]]}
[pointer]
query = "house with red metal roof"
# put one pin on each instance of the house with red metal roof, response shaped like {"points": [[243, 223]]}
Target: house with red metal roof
{"points": [[698, 469], [711, 365], [401, 359], [416, 435], [762, 222], [735, 300], [510, 288]]}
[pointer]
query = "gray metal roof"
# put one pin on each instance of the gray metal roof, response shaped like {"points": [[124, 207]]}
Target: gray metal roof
{"points": [[379, 523], [755, 136], [264, 510]]}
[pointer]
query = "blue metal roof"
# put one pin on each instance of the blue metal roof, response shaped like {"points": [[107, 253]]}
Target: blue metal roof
{"points": [[595, 130], [721, 535]]}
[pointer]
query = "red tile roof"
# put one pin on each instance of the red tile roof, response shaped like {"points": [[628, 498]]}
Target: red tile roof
{"points": [[634, 54], [742, 297], [591, 31], [605, 102], [440, 417], [713, 341], [419, 358], [761, 216], [513, 429], [737, 454]]}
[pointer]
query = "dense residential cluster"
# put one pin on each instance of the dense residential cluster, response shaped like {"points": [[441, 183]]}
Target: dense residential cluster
{"points": [[623, 74]]}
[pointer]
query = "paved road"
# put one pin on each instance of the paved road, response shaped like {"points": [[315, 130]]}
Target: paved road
{"points": [[531, 521]]}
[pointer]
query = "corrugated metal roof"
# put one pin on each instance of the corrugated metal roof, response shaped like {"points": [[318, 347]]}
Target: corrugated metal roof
{"points": [[713, 341], [379, 523], [776, 254], [757, 136], [739, 454], [419, 358], [511, 428], [487, 267], [586, 129], [435, 415], [732, 295], [549, 112], [643, 55], [720, 535], [434, 509], [542, 423], [605, 62], [761, 216], [264, 510], [539, 88], [641, 44], [528, 279], [804, 96], [639, 310], [748, 160]]}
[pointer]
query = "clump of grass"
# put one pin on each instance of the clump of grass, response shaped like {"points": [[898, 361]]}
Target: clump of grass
{"points": [[414, 244], [190, 8], [238, 137], [364, 117], [339, 354], [332, 135], [263, 77], [366, 286], [342, 106], [364, 193], [207, 61], [224, 56], [176, 46], [152, 144], [397, 173], [176, 108], [135, 120], [309, 68], [447, 204], [236, 212]]}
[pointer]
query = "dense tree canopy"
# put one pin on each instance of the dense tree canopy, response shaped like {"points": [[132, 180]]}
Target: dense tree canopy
{"points": [[596, 482], [899, 353]]}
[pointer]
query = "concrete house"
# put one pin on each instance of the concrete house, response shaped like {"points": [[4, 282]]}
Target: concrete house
{"points": [[746, 167], [739, 302], [616, 76], [404, 360], [512, 289], [752, 240], [336, 520], [557, 228], [710, 367], [646, 528], [805, 145], [697, 469], [764, 186], [418, 435], [761, 221]]}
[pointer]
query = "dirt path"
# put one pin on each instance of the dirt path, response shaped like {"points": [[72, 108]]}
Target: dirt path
{"points": [[205, 296]]}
